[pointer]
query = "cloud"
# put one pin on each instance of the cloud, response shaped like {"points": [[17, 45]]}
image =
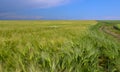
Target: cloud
{"points": [[23, 17], [15, 16], [49, 3], [3, 14], [32, 3], [112, 17]]}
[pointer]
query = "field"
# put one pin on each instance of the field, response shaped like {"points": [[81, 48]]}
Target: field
{"points": [[57, 46], [117, 26]]}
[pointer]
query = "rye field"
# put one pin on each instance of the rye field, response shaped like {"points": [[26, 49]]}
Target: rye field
{"points": [[117, 26], [58, 46]]}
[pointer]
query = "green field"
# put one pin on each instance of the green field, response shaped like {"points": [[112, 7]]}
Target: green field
{"points": [[117, 26], [57, 46]]}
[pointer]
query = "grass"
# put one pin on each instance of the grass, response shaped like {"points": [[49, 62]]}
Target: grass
{"points": [[57, 46], [117, 26]]}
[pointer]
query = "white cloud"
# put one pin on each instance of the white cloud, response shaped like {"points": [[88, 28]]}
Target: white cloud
{"points": [[3, 14], [23, 17], [15, 16], [32, 3], [46, 3], [112, 17]]}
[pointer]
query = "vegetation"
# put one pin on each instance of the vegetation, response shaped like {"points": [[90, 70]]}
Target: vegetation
{"points": [[57, 46], [117, 26]]}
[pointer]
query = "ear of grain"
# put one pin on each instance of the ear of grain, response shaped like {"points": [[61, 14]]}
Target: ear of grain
{"points": [[55, 46]]}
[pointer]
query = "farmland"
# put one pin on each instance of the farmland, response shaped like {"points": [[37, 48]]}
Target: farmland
{"points": [[117, 26], [58, 46]]}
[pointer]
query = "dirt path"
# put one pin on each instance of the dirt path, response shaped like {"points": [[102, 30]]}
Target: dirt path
{"points": [[108, 30], [105, 60]]}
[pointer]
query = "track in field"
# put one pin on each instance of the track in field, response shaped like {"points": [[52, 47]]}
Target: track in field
{"points": [[108, 30]]}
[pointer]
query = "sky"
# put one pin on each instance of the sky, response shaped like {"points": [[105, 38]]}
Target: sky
{"points": [[59, 9]]}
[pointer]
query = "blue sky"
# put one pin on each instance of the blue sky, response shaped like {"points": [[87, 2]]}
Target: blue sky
{"points": [[60, 9]]}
